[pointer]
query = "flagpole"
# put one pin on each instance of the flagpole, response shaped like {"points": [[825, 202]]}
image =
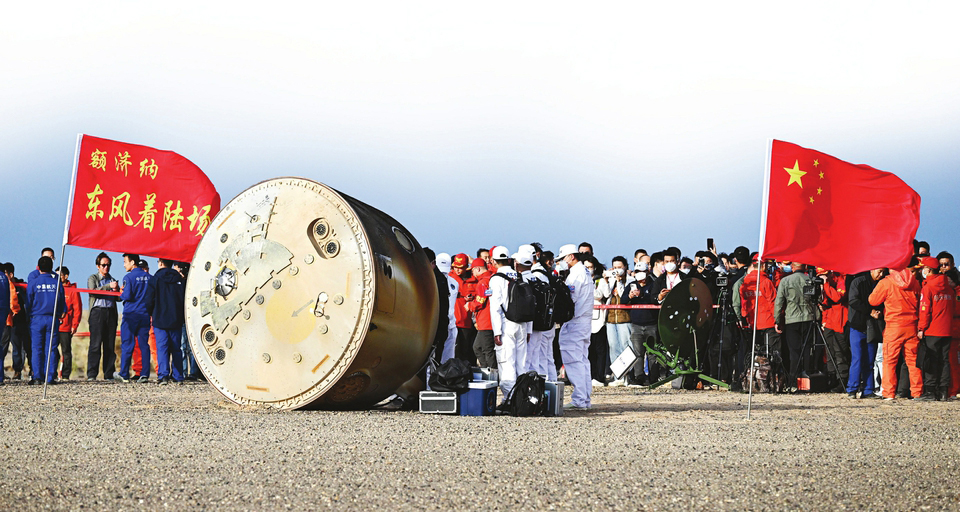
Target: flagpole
{"points": [[63, 262], [756, 301]]}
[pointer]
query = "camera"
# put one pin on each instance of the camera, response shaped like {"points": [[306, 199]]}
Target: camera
{"points": [[722, 281], [813, 290]]}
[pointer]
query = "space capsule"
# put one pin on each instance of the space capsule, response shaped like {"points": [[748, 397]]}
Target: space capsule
{"points": [[302, 297]]}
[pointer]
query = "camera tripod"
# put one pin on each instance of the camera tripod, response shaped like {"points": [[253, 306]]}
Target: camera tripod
{"points": [[719, 328], [811, 335]]}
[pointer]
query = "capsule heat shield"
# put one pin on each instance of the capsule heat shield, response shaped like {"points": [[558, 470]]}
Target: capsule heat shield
{"points": [[299, 296]]}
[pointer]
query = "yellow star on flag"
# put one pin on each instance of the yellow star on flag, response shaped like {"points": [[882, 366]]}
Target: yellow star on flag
{"points": [[795, 174], [816, 163], [811, 199], [821, 175], [819, 191]]}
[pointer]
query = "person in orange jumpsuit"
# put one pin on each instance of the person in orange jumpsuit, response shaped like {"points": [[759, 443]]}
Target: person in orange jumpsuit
{"points": [[937, 299], [900, 295]]}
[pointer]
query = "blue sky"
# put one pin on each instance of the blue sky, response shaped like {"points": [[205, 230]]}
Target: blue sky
{"points": [[628, 125]]}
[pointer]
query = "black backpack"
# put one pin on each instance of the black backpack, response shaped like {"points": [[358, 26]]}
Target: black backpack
{"points": [[546, 297], [528, 396], [521, 306], [563, 302]]}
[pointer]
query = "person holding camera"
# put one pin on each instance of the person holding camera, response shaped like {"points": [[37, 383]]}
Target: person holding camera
{"points": [[795, 313], [609, 291], [671, 275]]}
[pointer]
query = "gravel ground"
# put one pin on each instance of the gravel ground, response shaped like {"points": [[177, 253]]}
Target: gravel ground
{"points": [[106, 446]]}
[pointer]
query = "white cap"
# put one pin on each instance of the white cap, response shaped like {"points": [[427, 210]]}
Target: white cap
{"points": [[443, 262], [500, 253], [526, 248], [524, 258], [565, 250]]}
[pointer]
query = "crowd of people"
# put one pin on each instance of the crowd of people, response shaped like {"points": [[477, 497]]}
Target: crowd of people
{"points": [[41, 319], [882, 333], [824, 330]]}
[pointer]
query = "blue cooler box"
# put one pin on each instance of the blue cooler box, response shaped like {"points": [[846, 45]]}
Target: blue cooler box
{"points": [[480, 399]]}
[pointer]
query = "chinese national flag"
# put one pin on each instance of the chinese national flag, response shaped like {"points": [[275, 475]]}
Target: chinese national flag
{"points": [[137, 199], [836, 215]]}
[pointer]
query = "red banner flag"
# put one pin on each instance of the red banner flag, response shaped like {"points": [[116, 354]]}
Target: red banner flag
{"points": [[137, 199], [840, 216]]}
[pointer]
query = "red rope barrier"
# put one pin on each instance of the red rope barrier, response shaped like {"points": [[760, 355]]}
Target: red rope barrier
{"points": [[83, 290]]}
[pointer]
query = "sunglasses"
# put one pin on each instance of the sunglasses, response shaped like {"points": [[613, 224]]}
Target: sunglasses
{"points": [[107, 265]]}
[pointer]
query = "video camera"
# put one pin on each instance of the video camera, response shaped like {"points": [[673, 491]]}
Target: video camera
{"points": [[813, 291]]}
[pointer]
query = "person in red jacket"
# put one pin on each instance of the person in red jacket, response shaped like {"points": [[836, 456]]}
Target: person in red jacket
{"points": [[834, 307], [900, 295], [937, 300], [467, 283], [763, 294], [69, 323], [483, 345]]}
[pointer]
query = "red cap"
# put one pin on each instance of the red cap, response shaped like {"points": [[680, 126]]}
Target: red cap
{"points": [[461, 260], [930, 262], [477, 262]]}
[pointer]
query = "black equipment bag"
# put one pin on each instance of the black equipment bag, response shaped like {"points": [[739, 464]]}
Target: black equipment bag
{"points": [[521, 306], [562, 302], [453, 375], [546, 297], [528, 396]]}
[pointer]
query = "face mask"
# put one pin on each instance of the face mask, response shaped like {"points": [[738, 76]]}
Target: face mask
{"points": [[685, 270], [640, 276], [670, 267], [787, 269], [643, 266], [618, 272], [561, 265]]}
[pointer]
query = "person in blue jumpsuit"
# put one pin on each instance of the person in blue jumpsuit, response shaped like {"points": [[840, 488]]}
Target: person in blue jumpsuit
{"points": [[135, 327], [165, 294], [45, 304]]}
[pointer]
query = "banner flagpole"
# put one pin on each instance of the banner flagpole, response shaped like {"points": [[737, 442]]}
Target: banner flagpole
{"points": [[63, 262], [756, 298]]}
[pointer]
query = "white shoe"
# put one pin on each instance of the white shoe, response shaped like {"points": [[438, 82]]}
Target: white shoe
{"points": [[617, 383], [570, 406], [597, 383]]}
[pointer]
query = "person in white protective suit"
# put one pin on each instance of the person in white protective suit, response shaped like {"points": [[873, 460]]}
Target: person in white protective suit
{"points": [[509, 338], [575, 334], [539, 343], [443, 262]]}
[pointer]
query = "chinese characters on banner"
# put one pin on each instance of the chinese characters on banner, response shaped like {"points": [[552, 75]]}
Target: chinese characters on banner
{"points": [[138, 199]]}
